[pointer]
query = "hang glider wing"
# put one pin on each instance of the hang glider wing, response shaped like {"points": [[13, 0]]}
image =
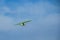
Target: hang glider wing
{"points": [[27, 21], [23, 23]]}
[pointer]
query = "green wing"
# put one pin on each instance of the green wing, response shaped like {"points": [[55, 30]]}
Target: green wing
{"points": [[27, 21], [23, 23]]}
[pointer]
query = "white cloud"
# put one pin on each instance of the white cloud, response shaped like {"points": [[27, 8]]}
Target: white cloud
{"points": [[34, 9], [44, 24]]}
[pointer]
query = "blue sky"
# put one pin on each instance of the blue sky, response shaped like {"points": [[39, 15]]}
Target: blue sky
{"points": [[44, 15]]}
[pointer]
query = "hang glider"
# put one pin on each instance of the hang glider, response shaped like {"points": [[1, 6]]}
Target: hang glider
{"points": [[23, 23]]}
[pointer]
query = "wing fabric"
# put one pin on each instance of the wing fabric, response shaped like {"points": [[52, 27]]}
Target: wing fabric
{"points": [[27, 21], [23, 23]]}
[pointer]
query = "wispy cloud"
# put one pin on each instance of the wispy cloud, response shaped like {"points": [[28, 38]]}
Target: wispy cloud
{"points": [[38, 11], [6, 23], [44, 23]]}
